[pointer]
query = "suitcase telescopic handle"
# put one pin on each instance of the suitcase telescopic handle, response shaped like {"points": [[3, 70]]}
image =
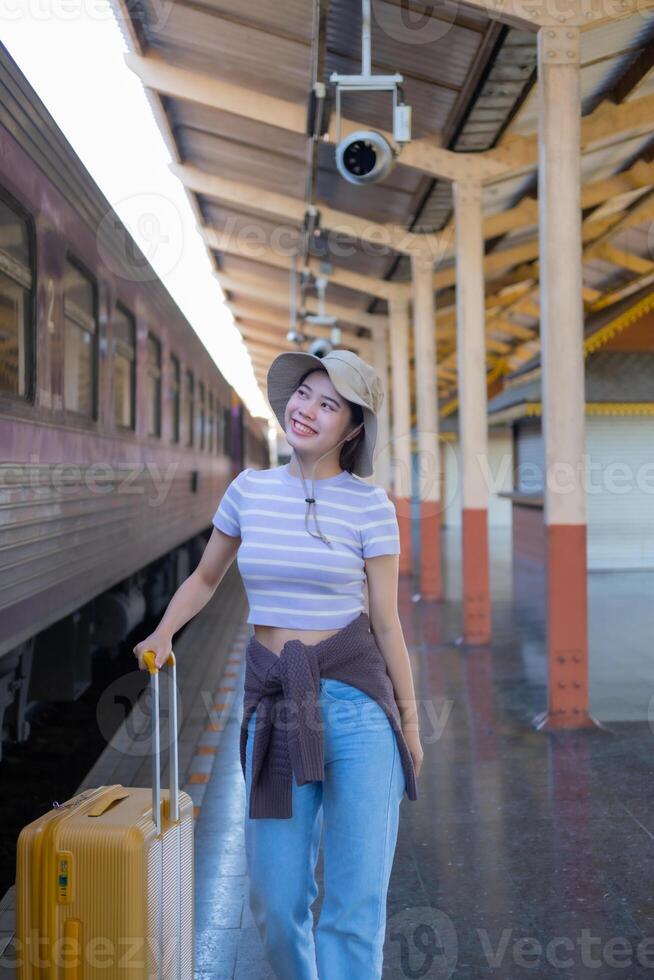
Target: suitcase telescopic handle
{"points": [[149, 661]]}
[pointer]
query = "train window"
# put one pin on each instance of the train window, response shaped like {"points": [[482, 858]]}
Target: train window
{"points": [[124, 368], [175, 395], [201, 397], [16, 280], [80, 340], [189, 408], [153, 363], [210, 423], [219, 428], [227, 432]]}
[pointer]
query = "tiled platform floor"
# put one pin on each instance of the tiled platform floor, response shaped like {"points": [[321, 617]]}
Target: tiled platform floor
{"points": [[227, 942]]}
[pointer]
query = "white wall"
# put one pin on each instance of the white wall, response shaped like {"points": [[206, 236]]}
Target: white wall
{"points": [[620, 481], [500, 466], [620, 496]]}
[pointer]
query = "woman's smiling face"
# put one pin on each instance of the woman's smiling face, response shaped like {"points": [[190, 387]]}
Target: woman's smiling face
{"points": [[317, 405]]}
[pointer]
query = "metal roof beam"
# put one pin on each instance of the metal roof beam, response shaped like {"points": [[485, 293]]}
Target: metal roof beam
{"points": [[262, 339], [380, 288], [182, 83], [437, 246], [264, 348], [259, 318], [268, 316], [593, 245], [625, 260], [494, 262], [594, 231], [639, 177], [270, 203], [606, 125], [273, 295], [639, 70], [258, 323]]}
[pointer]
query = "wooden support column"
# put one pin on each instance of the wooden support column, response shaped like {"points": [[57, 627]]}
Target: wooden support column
{"points": [[561, 325], [400, 445], [382, 475], [428, 468], [473, 425]]}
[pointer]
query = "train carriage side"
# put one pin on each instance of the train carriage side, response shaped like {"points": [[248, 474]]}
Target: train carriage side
{"points": [[118, 432]]}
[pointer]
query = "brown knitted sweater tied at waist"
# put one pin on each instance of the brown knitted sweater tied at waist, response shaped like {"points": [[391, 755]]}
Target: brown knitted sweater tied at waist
{"points": [[295, 747]]}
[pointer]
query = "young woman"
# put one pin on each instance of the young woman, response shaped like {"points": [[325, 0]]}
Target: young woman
{"points": [[329, 737]]}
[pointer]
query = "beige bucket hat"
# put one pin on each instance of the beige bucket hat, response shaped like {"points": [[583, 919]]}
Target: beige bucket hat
{"points": [[352, 377]]}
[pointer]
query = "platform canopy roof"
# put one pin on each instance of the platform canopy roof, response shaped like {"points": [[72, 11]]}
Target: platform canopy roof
{"points": [[618, 347], [230, 86]]}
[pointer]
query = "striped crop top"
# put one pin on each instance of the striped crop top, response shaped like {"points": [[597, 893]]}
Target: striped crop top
{"points": [[291, 578]]}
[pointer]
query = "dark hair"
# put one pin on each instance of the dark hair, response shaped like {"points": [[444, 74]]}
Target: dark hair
{"points": [[349, 449]]}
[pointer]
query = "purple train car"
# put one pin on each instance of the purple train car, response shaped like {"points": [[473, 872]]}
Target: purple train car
{"points": [[118, 433]]}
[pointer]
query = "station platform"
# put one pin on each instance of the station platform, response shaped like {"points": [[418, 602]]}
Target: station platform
{"points": [[526, 854]]}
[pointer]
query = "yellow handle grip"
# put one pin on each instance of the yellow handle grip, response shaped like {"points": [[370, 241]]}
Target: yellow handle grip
{"points": [[148, 660], [111, 797]]}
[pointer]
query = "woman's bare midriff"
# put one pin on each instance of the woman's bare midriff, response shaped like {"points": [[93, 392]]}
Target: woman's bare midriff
{"points": [[274, 637]]}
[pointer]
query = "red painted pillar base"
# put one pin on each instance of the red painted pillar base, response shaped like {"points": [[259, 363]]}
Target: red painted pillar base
{"points": [[403, 512], [430, 549], [547, 722], [567, 630], [476, 588]]}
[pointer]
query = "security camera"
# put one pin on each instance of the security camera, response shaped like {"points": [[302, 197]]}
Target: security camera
{"points": [[364, 157], [321, 318], [320, 347]]}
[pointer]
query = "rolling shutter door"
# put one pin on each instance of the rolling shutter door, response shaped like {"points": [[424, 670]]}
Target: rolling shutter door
{"points": [[620, 493]]}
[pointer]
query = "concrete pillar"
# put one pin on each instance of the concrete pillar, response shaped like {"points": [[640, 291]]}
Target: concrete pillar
{"points": [[400, 447], [382, 475], [561, 329], [473, 425], [428, 468]]}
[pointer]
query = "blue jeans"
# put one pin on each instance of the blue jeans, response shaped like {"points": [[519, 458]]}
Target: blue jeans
{"points": [[358, 802]]}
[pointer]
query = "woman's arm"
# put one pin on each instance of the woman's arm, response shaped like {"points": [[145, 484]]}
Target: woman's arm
{"points": [[382, 573], [192, 595]]}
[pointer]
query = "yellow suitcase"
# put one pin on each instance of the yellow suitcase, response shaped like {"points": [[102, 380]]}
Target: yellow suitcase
{"points": [[105, 881]]}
